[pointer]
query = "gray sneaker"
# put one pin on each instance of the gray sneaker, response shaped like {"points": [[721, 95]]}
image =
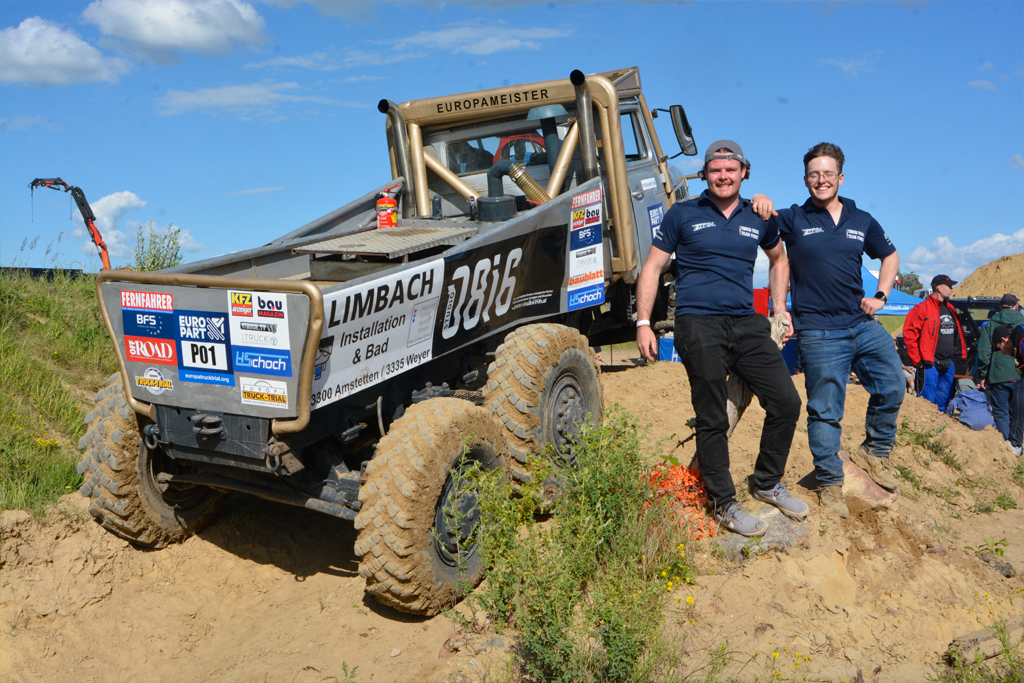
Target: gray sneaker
{"points": [[734, 518], [781, 498], [876, 467]]}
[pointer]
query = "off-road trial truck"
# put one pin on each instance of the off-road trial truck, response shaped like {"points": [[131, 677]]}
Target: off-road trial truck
{"points": [[342, 367]]}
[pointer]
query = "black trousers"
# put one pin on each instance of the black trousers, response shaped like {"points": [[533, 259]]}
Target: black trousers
{"points": [[713, 346]]}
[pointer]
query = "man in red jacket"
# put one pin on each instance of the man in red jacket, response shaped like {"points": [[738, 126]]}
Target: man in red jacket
{"points": [[934, 340]]}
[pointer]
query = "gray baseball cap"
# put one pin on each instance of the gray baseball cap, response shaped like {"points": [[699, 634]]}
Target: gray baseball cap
{"points": [[736, 152]]}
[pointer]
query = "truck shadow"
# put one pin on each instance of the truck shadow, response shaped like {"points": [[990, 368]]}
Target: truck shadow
{"points": [[298, 541]]}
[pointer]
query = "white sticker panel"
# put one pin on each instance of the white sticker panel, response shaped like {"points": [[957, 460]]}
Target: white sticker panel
{"points": [[375, 330], [259, 319], [263, 392]]}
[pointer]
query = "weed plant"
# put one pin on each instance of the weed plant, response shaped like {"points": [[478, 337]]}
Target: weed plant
{"points": [[907, 435], [1008, 668], [51, 341], [585, 594]]}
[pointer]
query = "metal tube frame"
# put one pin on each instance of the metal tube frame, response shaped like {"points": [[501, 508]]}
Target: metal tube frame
{"points": [[419, 169], [280, 427], [445, 174], [563, 161], [401, 154]]}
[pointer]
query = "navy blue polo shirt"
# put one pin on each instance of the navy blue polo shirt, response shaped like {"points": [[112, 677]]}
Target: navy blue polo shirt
{"points": [[825, 263], [714, 255]]}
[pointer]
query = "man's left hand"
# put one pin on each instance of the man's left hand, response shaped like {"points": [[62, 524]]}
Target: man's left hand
{"points": [[871, 305]]}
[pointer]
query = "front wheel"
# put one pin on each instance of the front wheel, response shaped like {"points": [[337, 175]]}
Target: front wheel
{"points": [[120, 479], [417, 526], [543, 384]]}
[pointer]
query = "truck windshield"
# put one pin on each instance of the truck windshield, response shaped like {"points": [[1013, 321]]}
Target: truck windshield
{"points": [[476, 154]]}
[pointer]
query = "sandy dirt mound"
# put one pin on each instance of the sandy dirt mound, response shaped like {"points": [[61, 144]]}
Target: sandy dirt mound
{"points": [[995, 279], [271, 592]]}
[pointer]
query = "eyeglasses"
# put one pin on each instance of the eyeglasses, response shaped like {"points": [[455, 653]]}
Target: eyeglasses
{"points": [[824, 175]]}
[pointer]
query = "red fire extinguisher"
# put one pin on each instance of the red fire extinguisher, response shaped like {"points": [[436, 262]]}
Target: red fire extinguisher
{"points": [[387, 212]]}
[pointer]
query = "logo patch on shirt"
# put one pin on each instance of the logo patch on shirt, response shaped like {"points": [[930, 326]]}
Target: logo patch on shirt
{"points": [[750, 232], [812, 231], [701, 226], [854, 235]]}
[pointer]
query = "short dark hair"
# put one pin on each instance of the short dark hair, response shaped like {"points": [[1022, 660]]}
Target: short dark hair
{"points": [[1001, 332], [825, 149]]}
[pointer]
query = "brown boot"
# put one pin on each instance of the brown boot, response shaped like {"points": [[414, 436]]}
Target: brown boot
{"points": [[831, 497], [877, 468]]}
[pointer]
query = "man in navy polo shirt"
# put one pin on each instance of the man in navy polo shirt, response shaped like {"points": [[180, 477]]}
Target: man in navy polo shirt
{"points": [[715, 241], [825, 239]]}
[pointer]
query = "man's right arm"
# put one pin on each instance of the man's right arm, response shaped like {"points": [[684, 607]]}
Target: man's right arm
{"points": [[646, 291]]}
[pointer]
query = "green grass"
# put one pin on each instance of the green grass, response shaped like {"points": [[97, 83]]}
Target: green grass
{"points": [[585, 595], [906, 434], [1008, 667], [891, 323], [54, 354]]}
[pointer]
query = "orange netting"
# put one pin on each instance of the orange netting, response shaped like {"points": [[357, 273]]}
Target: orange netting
{"points": [[686, 488]]}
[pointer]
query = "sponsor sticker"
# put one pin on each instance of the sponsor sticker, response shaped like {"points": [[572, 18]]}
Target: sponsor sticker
{"points": [[147, 301], [263, 392], [262, 322], [148, 323], [146, 350], [586, 250], [203, 341], [588, 296], [377, 329], [648, 184], [656, 214], [262, 361], [241, 303], [203, 377], [154, 382]]}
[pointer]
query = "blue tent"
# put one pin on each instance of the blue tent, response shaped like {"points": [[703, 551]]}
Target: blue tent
{"points": [[899, 303]]}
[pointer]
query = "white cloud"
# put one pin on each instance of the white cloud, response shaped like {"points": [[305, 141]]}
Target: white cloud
{"points": [[157, 30], [255, 190], [364, 79], [987, 66], [855, 67], [477, 38], [255, 98], [983, 85], [24, 122], [1016, 161], [761, 270], [958, 262], [109, 211], [318, 61], [354, 58], [40, 52]]}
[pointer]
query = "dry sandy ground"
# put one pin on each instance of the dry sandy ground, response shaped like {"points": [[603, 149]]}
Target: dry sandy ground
{"points": [[270, 593]]}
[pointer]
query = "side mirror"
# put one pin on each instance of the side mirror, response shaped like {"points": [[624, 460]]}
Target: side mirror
{"points": [[684, 134]]}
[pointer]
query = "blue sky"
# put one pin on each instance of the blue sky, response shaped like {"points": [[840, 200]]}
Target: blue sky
{"points": [[240, 120]]}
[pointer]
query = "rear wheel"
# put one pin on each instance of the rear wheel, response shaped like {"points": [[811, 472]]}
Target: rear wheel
{"points": [[542, 385], [417, 524], [120, 479]]}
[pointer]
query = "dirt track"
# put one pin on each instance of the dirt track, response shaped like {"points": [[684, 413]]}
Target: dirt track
{"points": [[271, 592]]}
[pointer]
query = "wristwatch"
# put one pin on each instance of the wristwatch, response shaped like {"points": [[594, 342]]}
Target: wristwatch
{"points": [[881, 295]]}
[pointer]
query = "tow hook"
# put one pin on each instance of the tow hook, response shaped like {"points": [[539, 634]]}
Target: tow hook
{"points": [[151, 432]]}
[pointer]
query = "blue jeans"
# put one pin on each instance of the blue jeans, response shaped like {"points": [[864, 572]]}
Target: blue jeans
{"points": [[999, 396], [827, 357], [1017, 414], [938, 385]]}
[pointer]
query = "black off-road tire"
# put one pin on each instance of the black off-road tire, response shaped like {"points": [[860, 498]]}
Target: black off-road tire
{"points": [[544, 381], [407, 563], [119, 478]]}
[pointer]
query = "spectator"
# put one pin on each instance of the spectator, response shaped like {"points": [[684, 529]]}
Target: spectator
{"points": [[1010, 341], [997, 373], [935, 340], [715, 241]]}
